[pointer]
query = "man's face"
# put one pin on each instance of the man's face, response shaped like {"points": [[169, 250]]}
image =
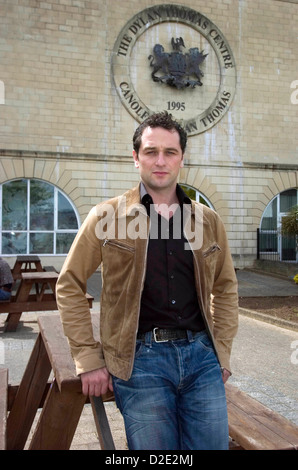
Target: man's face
{"points": [[160, 158]]}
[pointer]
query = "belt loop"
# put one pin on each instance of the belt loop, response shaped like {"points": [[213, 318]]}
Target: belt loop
{"points": [[190, 336], [148, 339]]}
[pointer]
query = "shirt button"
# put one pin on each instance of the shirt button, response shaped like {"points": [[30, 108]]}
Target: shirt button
{"points": [[173, 302], [172, 276], [170, 252]]}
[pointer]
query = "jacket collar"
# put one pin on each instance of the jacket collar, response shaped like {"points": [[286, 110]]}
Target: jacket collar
{"points": [[133, 200]]}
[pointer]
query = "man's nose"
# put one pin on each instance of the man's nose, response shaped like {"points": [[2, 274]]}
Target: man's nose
{"points": [[160, 159]]}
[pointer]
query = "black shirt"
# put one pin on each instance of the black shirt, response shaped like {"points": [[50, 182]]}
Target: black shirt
{"points": [[169, 298]]}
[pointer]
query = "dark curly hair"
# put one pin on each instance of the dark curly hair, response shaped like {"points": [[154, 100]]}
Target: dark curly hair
{"points": [[163, 120]]}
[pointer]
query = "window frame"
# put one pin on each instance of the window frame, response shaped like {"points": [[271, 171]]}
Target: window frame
{"points": [[277, 232], [55, 231], [199, 195]]}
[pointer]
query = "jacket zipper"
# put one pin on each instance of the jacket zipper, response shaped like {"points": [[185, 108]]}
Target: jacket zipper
{"points": [[211, 250], [118, 245], [140, 297]]}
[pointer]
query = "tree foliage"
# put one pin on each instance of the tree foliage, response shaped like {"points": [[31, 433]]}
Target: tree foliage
{"points": [[290, 222]]}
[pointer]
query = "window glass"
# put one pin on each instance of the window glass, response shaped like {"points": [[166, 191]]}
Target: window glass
{"points": [[14, 243], [195, 195], [268, 242], [64, 241], [271, 239], [36, 219], [14, 205], [66, 216], [288, 199], [41, 206], [269, 221], [41, 243]]}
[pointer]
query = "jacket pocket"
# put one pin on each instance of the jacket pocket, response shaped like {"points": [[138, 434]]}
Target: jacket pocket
{"points": [[211, 250], [119, 245]]}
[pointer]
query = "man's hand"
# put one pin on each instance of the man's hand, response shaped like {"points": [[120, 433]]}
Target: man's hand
{"points": [[96, 382], [225, 375]]}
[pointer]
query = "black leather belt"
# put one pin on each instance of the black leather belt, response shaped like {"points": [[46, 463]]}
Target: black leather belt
{"points": [[161, 335]]}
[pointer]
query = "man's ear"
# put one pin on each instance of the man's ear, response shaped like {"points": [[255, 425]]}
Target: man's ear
{"points": [[182, 163], [136, 159]]}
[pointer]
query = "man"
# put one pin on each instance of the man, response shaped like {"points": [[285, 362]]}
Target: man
{"points": [[169, 303], [6, 280]]}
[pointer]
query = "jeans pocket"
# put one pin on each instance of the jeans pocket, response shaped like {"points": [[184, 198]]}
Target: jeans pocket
{"points": [[205, 341], [139, 348]]}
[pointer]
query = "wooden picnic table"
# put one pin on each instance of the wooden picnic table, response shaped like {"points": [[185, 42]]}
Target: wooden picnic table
{"points": [[36, 292], [252, 426], [64, 400], [26, 263]]}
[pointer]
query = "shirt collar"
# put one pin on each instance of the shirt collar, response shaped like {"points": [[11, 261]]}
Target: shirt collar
{"points": [[146, 199]]}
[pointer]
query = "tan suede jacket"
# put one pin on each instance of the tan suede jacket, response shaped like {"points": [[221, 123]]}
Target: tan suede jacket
{"points": [[115, 236]]}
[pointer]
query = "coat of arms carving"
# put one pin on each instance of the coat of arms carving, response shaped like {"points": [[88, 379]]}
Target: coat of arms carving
{"points": [[178, 69]]}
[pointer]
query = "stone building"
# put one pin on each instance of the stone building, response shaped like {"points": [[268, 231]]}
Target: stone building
{"points": [[77, 77]]}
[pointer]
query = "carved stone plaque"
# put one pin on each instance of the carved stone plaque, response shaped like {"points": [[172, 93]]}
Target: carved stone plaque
{"points": [[171, 57]]}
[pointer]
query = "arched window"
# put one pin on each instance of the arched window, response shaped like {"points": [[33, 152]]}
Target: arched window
{"points": [[194, 194], [272, 242], [36, 218]]}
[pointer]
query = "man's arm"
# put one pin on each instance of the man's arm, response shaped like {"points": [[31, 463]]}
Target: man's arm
{"points": [[83, 259], [224, 301]]}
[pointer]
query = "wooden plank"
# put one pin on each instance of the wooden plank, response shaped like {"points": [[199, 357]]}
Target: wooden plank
{"points": [[27, 258], [32, 306], [58, 420], [13, 390], [40, 276], [254, 426], [58, 349], [28, 397], [50, 268], [3, 407]]}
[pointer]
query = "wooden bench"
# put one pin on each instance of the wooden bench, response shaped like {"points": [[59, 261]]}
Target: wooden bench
{"points": [[3, 407], [253, 426], [50, 268]]}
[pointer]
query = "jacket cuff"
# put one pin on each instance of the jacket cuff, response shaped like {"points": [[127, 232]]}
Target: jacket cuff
{"points": [[87, 361]]}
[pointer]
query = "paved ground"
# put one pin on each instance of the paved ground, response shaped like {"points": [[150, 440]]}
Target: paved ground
{"points": [[264, 359], [253, 284]]}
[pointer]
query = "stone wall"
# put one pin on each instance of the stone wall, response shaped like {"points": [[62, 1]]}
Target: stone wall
{"points": [[62, 120]]}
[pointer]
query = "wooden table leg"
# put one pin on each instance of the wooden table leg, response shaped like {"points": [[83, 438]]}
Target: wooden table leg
{"points": [[12, 320], [102, 424], [58, 420], [28, 397]]}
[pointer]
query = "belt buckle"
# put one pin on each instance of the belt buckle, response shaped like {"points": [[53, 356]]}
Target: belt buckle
{"points": [[158, 340]]}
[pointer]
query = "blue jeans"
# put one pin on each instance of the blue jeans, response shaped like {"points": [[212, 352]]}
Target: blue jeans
{"points": [[175, 398], [4, 295]]}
